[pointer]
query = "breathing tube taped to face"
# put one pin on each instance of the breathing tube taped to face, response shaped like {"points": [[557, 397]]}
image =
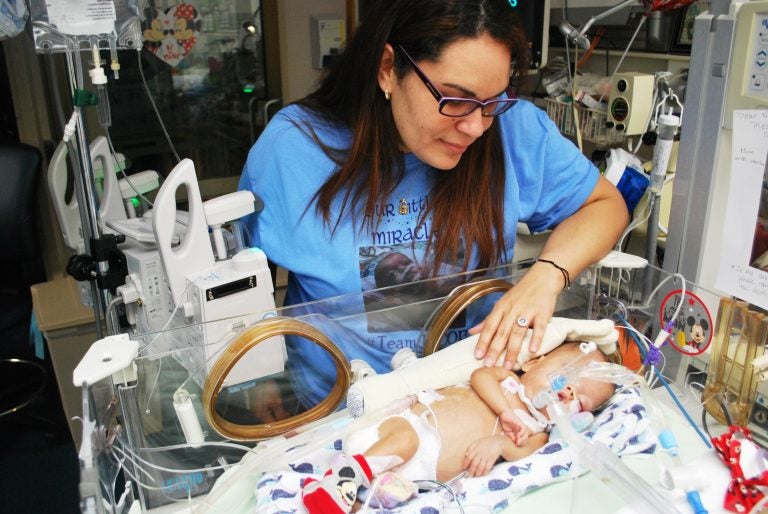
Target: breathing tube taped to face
{"points": [[594, 455], [602, 460], [621, 377], [569, 373]]}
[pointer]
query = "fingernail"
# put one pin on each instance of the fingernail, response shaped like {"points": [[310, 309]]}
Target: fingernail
{"points": [[478, 354], [508, 365], [488, 362]]}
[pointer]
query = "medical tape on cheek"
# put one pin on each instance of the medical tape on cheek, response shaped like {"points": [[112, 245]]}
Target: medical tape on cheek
{"points": [[572, 371]]}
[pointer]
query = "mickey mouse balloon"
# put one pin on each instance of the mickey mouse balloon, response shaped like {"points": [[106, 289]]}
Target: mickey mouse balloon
{"points": [[688, 322]]}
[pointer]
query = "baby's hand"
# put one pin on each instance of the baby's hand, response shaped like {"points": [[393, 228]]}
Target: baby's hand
{"points": [[483, 454], [513, 428]]}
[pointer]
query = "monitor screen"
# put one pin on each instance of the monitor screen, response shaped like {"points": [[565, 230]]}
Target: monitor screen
{"points": [[534, 16]]}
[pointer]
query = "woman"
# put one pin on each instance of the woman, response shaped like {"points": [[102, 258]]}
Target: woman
{"points": [[414, 140]]}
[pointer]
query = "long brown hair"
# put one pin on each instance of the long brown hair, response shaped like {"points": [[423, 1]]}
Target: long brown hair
{"points": [[466, 203]]}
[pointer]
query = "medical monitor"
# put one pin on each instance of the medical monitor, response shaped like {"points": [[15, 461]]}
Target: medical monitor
{"points": [[534, 15]]}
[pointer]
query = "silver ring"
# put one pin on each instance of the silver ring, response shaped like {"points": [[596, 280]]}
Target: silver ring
{"points": [[522, 321]]}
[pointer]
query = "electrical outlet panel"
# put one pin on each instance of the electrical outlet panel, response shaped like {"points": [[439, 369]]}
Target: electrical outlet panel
{"points": [[697, 373]]}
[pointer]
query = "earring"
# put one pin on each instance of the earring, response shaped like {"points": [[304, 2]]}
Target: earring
{"points": [[387, 95]]}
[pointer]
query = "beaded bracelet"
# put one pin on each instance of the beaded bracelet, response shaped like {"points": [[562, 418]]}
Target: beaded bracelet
{"points": [[566, 275]]}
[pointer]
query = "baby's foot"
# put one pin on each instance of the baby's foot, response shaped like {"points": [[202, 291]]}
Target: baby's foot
{"points": [[390, 490]]}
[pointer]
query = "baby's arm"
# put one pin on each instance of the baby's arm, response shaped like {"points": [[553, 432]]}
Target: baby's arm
{"points": [[487, 384], [511, 426], [512, 439]]}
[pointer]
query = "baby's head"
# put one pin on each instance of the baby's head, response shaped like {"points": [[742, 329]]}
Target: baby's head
{"points": [[590, 394]]}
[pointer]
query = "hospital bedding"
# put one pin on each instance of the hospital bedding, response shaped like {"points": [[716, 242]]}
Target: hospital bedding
{"points": [[623, 426]]}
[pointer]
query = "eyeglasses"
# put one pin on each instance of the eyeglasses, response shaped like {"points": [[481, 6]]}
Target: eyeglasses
{"points": [[458, 107]]}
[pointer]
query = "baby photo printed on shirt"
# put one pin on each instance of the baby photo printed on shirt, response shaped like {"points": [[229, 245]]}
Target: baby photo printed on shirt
{"points": [[395, 280]]}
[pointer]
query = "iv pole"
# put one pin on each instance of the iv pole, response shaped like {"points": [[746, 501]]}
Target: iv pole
{"points": [[84, 182]]}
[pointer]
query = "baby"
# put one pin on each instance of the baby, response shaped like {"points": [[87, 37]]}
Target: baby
{"points": [[453, 431]]}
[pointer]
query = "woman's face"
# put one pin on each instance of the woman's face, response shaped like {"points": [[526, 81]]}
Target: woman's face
{"points": [[476, 68]]}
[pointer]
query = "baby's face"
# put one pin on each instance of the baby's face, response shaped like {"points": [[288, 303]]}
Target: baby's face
{"points": [[588, 394], [591, 394], [399, 270]]}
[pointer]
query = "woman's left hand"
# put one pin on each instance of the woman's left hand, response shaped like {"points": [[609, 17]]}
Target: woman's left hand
{"points": [[529, 304]]}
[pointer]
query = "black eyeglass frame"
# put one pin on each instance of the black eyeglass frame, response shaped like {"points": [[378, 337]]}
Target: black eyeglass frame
{"points": [[504, 103]]}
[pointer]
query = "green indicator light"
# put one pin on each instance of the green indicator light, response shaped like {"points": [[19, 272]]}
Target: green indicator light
{"points": [[135, 201], [248, 90]]}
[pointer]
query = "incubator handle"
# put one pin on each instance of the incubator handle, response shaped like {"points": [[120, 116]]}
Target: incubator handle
{"points": [[67, 214], [194, 254], [111, 202]]}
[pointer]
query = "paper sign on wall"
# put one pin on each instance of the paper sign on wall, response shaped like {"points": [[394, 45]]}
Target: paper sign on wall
{"points": [[745, 238]]}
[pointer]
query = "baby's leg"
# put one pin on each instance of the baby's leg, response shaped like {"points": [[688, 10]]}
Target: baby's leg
{"points": [[373, 451], [397, 443], [385, 447]]}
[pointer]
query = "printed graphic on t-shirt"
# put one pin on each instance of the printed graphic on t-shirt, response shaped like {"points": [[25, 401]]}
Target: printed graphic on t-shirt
{"points": [[395, 269]]}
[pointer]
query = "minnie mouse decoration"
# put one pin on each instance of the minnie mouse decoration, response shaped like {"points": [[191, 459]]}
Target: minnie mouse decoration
{"points": [[172, 33]]}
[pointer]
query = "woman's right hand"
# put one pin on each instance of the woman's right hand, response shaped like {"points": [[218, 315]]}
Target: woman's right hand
{"points": [[529, 304]]}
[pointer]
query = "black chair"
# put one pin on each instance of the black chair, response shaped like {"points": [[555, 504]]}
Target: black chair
{"points": [[23, 377]]}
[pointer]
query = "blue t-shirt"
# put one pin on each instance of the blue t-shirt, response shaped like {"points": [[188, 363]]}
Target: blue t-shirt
{"points": [[547, 180]]}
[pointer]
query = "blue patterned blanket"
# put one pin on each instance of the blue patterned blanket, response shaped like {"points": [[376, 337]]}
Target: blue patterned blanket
{"points": [[622, 426]]}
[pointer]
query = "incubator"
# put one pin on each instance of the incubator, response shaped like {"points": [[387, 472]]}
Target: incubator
{"points": [[168, 435]]}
